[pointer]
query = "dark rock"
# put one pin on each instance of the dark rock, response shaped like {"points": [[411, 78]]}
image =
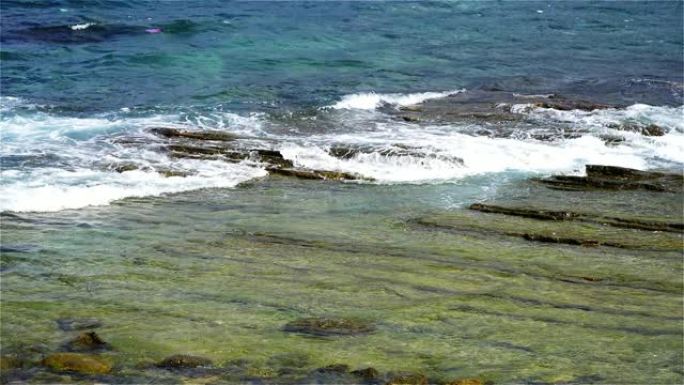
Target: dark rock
{"points": [[69, 324], [183, 361], [76, 362], [527, 213], [487, 105], [336, 369], [271, 157], [367, 375], [219, 136], [408, 379], [329, 326], [630, 223], [622, 173], [652, 130], [647, 130], [315, 174], [125, 167], [561, 103], [617, 178], [87, 342]]}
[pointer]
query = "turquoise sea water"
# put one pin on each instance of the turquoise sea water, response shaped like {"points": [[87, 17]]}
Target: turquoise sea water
{"points": [[174, 254]]}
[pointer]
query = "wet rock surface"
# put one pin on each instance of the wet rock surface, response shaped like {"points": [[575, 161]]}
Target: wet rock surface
{"points": [[315, 174], [77, 362], [219, 136], [487, 105], [325, 327], [617, 178]]}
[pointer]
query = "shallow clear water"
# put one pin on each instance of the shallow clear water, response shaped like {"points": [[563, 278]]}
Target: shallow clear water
{"points": [[213, 258]]}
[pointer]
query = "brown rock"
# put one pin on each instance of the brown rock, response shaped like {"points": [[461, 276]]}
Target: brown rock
{"points": [[466, 381], [88, 341], [76, 362], [10, 362]]}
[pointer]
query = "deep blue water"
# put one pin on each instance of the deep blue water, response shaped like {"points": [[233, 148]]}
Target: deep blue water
{"points": [[84, 81], [260, 55]]}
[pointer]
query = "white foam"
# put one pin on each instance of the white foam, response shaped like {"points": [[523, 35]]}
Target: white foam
{"points": [[69, 158], [54, 189], [479, 155], [80, 27], [371, 100]]}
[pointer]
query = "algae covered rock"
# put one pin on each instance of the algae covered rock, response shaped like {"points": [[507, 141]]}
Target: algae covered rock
{"points": [[367, 375], [466, 381], [10, 362], [88, 341], [77, 362], [408, 379], [183, 361], [336, 368], [329, 326]]}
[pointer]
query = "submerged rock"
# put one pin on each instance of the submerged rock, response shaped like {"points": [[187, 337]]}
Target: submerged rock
{"points": [[85, 342], [77, 362], [315, 174], [198, 135], [466, 381], [125, 167], [369, 374], [69, 324], [329, 326], [630, 223], [10, 362], [183, 361], [333, 369], [408, 379]]}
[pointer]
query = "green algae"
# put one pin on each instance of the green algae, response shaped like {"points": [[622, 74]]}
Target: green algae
{"points": [[219, 273]]}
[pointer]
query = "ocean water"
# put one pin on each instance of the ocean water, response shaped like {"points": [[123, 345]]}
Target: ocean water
{"points": [[171, 251]]}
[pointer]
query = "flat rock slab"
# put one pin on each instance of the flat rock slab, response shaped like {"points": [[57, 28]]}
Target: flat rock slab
{"points": [[617, 178], [329, 327]]}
